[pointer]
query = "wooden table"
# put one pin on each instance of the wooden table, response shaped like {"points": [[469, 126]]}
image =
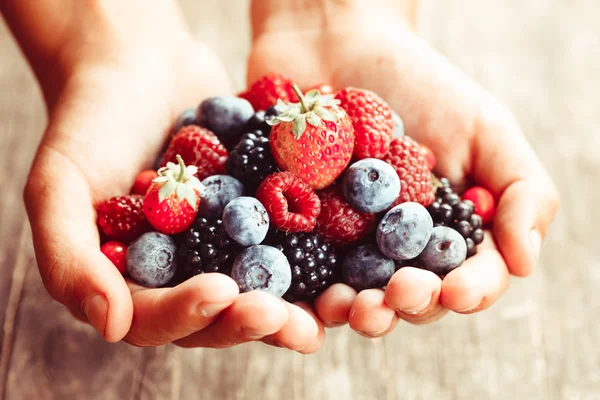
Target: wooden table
{"points": [[540, 341]]}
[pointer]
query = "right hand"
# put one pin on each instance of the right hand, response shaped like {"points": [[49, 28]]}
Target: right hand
{"points": [[107, 121]]}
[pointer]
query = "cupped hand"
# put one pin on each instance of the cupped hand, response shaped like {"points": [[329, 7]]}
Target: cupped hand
{"points": [[475, 140], [107, 121]]}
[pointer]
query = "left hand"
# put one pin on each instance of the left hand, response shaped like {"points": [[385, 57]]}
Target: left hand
{"points": [[473, 137]]}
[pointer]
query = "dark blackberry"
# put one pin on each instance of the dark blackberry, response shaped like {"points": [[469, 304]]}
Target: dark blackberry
{"points": [[205, 247], [314, 263], [259, 121], [449, 210], [251, 160]]}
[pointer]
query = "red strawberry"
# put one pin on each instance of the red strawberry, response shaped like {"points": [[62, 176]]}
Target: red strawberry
{"points": [[171, 203], [199, 147], [485, 205], [291, 204], [143, 181], [340, 223], [116, 252], [372, 120], [122, 218], [406, 156], [265, 92], [312, 139], [429, 157]]}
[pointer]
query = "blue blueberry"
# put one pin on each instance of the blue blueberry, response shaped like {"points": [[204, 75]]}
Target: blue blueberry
{"points": [[371, 185], [445, 251], [151, 259], [365, 267], [226, 116], [220, 190], [262, 268], [246, 221], [398, 125], [404, 231], [188, 117]]}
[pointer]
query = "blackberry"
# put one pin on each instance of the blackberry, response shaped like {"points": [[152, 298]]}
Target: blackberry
{"points": [[259, 121], [314, 263], [251, 160], [449, 210], [206, 247]]}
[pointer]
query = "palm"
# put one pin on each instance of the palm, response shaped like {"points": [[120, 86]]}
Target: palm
{"points": [[472, 137]]}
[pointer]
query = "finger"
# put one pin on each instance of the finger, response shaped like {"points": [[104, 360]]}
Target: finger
{"points": [[252, 316], [164, 315], [303, 332], [370, 316], [66, 243], [478, 283], [414, 294], [334, 304]]}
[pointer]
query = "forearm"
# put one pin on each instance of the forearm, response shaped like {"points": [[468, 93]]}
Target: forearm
{"points": [[56, 36], [277, 15]]}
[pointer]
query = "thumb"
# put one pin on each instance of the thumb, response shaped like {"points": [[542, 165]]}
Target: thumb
{"points": [[66, 242]]}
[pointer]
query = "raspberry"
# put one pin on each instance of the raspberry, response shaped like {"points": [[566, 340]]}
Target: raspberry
{"points": [[265, 92], [372, 120], [339, 222], [116, 252], [200, 147], [406, 156], [122, 218], [292, 205]]}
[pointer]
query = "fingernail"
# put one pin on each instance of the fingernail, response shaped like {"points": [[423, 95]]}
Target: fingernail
{"points": [[371, 334], [212, 309], [95, 309], [252, 334], [334, 324], [471, 308], [536, 242], [417, 309]]}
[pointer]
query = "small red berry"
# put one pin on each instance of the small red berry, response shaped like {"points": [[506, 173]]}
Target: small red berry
{"points": [[199, 147], [122, 218], [323, 88], [292, 205], [143, 181], [265, 92], [339, 222], [429, 156], [406, 156], [485, 205], [116, 252]]}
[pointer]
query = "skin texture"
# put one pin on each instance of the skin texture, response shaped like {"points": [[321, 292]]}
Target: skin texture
{"points": [[100, 70]]}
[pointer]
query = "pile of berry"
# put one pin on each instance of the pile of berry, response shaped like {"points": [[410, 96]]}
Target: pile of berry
{"points": [[289, 193]]}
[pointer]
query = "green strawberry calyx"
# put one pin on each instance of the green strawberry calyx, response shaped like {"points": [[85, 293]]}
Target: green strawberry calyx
{"points": [[312, 109], [180, 180]]}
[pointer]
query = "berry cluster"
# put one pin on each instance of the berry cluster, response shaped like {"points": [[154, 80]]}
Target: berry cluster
{"points": [[289, 192]]}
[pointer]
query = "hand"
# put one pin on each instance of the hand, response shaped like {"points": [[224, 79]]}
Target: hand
{"points": [[108, 121], [473, 137]]}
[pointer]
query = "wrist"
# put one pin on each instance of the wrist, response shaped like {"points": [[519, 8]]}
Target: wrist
{"points": [[270, 16]]}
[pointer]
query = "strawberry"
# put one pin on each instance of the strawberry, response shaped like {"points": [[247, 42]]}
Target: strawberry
{"points": [[265, 92], [171, 203], [312, 139], [143, 181], [122, 218], [199, 147], [485, 204], [372, 120]]}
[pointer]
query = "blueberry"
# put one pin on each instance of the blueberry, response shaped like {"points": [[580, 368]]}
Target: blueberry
{"points": [[246, 221], [404, 231], [365, 267], [398, 125], [220, 190], [151, 259], [446, 250], [226, 116], [262, 268], [188, 117], [371, 185]]}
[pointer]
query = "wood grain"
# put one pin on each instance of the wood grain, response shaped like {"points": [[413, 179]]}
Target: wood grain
{"points": [[540, 341]]}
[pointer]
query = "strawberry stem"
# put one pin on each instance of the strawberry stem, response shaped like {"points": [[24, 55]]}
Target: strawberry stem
{"points": [[298, 92], [181, 168]]}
